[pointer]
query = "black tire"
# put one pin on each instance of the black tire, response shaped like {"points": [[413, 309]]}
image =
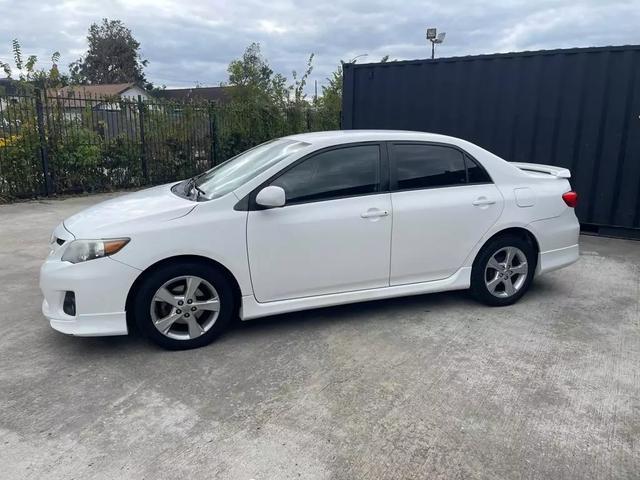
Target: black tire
{"points": [[479, 289], [157, 278]]}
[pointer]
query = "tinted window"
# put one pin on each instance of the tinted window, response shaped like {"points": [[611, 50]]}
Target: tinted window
{"points": [[425, 166], [336, 173], [476, 173]]}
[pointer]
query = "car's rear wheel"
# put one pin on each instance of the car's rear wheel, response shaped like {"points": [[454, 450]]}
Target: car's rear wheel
{"points": [[184, 305], [503, 270]]}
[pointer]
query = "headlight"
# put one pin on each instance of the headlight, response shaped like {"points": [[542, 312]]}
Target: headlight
{"points": [[83, 250]]}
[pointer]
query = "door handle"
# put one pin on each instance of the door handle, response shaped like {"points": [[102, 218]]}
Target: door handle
{"points": [[482, 201], [374, 213]]}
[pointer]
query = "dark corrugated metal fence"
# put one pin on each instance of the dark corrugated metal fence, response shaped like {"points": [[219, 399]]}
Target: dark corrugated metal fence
{"points": [[576, 108]]}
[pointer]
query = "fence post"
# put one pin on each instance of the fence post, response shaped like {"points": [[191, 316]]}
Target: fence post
{"points": [[44, 149], [143, 146], [213, 134]]}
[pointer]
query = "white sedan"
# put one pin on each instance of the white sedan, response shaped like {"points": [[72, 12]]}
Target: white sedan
{"points": [[309, 221]]}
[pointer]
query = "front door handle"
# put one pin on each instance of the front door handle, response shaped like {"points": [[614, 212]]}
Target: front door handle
{"points": [[482, 201], [374, 213]]}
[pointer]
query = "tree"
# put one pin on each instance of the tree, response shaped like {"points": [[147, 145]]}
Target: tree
{"points": [[299, 83], [254, 80], [329, 105], [113, 56], [28, 76]]}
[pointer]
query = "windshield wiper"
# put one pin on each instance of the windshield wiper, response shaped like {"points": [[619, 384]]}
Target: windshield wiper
{"points": [[191, 185]]}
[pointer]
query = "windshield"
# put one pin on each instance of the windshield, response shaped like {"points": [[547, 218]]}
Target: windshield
{"points": [[240, 169]]}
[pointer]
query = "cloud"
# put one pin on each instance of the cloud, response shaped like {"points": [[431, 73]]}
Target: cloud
{"points": [[189, 42]]}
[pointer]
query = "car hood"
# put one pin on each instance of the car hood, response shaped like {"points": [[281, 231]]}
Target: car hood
{"points": [[128, 213]]}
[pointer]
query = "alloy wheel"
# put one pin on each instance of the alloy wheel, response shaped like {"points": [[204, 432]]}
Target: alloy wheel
{"points": [[506, 272], [185, 307]]}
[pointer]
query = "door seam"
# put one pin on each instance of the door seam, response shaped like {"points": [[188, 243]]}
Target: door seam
{"points": [[390, 240]]}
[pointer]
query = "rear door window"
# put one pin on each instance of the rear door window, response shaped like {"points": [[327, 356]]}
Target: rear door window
{"points": [[417, 166]]}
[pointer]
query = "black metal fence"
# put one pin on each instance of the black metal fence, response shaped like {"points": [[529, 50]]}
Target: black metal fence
{"points": [[83, 144], [576, 108]]}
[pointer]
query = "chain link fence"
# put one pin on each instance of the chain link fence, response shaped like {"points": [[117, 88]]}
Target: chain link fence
{"points": [[64, 145]]}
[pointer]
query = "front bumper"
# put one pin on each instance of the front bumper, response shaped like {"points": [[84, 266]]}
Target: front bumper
{"points": [[101, 287]]}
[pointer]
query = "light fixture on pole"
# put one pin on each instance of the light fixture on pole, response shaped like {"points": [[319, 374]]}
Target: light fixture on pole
{"points": [[353, 60], [434, 37]]}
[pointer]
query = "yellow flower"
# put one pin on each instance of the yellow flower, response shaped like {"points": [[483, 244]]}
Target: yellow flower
{"points": [[5, 142]]}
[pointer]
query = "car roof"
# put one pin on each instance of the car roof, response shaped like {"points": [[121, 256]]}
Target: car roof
{"points": [[496, 165], [335, 137]]}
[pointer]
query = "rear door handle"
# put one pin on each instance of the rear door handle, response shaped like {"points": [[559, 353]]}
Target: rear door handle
{"points": [[374, 212], [482, 201]]}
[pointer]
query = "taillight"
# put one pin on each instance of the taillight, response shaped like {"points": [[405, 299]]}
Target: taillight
{"points": [[571, 199]]}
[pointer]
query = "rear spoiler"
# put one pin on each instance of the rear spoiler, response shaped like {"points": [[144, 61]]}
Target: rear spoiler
{"points": [[551, 170]]}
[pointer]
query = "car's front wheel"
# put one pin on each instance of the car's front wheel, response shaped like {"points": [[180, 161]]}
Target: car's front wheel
{"points": [[503, 270], [184, 305]]}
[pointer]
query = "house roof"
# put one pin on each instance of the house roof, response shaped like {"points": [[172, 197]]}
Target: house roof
{"points": [[8, 86], [91, 91], [216, 94], [78, 96], [75, 92]]}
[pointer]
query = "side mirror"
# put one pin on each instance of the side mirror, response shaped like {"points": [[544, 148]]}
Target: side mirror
{"points": [[271, 197]]}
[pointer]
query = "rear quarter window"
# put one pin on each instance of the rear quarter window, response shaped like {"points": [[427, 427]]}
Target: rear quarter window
{"points": [[476, 174]]}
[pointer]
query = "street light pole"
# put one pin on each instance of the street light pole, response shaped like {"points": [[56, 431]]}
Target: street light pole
{"points": [[353, 60], [434, 37]]}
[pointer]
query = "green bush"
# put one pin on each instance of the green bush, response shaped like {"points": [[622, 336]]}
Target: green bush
{"points": [[76, 161], [20, 166], [121, 163]]}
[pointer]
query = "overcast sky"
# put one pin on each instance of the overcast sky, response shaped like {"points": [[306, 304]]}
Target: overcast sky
{"points": [[193, 41]]}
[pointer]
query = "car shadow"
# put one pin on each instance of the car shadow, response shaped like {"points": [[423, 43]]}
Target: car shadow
{"points": [[394, 307], [317, 318], [354, 312], [98, 345]]}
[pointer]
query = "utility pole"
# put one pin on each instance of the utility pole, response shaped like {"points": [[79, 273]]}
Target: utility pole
{"points": [[434, 37]]}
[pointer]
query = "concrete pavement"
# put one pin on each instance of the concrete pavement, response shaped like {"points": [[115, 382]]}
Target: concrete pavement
{"points": [[434, 386]]}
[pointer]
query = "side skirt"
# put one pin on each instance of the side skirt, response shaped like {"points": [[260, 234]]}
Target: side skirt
{"points": [[251, 308]]}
